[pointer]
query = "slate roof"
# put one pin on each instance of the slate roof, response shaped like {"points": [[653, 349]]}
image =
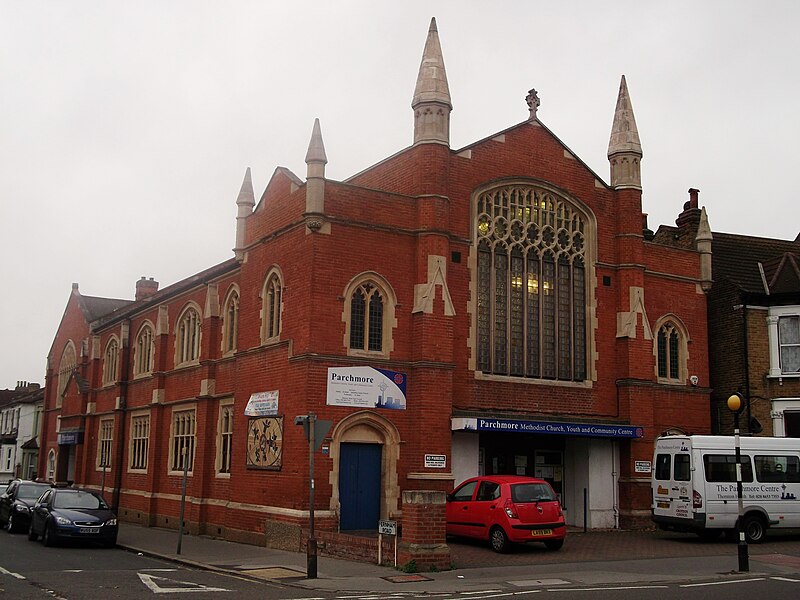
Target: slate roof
{"points": [[736, 258], [94, 307]]}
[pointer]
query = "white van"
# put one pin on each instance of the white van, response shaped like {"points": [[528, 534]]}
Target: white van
{"points": [[694, 484]]}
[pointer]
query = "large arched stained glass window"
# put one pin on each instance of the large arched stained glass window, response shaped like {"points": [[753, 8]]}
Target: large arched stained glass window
{"points": [[531, 275]]}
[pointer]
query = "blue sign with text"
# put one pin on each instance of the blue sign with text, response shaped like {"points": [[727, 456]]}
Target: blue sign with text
{"points": [[549, 427]]}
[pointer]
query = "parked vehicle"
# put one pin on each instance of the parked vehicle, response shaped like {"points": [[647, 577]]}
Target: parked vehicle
{"points": [[16, 503], [69, 513], [506, 509], [695, 489]]}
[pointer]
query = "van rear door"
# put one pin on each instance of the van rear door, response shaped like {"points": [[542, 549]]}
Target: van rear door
{"points": [[672, 485]]}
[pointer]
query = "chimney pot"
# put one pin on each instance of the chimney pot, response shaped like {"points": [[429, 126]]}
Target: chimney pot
{"points": [[693, 192]]}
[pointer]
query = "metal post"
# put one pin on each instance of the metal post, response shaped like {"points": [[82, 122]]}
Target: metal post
{"points": [[311, 563], [744, 563], [183, 497], [585, 510]]}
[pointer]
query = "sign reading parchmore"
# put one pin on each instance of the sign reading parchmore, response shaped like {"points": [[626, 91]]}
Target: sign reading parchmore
{"points": [[547, 427], [366, 387]]}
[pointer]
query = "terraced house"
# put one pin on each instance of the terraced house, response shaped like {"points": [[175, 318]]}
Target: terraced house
{"points": [[496, 308]]}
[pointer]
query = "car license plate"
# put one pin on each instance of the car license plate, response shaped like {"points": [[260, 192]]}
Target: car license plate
{"points": [[90, 530], [541, 532]]}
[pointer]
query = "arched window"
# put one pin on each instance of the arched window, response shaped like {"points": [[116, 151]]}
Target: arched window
{"points": [[670, 351], [366, 318], [65, 368], [531, 284], [271, 309], [143, 352], [230, 323], [369, 315], [51, 465], [111, 362], [187, 335]]}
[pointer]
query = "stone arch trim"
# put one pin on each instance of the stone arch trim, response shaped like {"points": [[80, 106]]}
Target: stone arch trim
{"points": [[273, 276], [389, 317], [369, 427], [683, 347], [590, 256]]}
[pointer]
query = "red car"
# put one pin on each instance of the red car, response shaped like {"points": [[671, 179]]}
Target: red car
{"points": [[506, 509]]}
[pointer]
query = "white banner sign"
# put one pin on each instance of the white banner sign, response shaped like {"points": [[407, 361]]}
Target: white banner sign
{"points": [[262, 404], [365, 387]]}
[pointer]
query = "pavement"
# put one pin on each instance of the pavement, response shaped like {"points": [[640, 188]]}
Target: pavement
{"points": [[593, 558]]}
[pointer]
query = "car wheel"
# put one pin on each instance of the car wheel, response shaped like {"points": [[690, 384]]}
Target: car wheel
{"points": [[48, 539], [32, 535], [110, 543], [554, 544], [498, 539], [755, 530]]}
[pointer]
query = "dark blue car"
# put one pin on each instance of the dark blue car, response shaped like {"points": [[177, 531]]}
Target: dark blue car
{"points": [[16, 502], [73, 514]]}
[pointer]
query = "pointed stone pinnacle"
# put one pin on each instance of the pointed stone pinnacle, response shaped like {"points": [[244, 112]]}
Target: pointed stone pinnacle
{"points": [[316, 149], [432, 78], [624, 134], [246, 195]]}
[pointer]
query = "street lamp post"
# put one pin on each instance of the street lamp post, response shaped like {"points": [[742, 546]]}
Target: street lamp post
{"points": [[735, 404]]}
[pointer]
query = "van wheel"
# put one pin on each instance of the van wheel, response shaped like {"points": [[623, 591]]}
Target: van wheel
{"points": [[499, 540], [755, 530]]}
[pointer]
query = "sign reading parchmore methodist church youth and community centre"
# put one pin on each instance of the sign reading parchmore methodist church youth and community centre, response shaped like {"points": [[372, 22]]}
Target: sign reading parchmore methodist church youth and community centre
{"points": [[546, 427], [366, 387]]}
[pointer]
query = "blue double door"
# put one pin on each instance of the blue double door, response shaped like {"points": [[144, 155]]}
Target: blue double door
{"points": [[359, 486]]}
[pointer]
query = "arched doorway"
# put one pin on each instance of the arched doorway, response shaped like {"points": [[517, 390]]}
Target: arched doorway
{"points": [[365, 448]]}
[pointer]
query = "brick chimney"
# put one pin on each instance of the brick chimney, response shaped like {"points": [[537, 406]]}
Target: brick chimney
{"points": [[145, 288], [691, 212]]}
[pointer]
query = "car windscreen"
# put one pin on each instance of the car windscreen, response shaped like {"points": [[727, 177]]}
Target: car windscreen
{"points": [[31, 491], [77, 500], [532, 492]]}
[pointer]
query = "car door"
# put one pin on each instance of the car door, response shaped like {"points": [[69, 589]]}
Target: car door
{"points": [[458, 511], [6, 500], [39, 512], [485, 508]]}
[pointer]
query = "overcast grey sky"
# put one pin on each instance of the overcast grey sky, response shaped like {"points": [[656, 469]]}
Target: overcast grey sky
{"points": [[126, 127]]}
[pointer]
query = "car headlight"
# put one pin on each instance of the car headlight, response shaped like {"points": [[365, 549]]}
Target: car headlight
{"points": [[111, 522], [63, 521]]}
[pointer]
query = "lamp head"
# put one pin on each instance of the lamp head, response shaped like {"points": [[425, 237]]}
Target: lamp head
{"points": [[735, 402]]}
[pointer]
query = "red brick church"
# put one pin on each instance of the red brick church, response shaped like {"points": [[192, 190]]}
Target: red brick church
{"points": [[496, 308]]}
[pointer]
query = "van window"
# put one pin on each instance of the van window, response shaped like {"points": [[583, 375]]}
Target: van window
{"points": [[778, 469], [662, 467], [682, 470], [721, 468]]}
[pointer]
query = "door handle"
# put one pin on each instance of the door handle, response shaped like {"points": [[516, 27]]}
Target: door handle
{"points": [[464, 508]]}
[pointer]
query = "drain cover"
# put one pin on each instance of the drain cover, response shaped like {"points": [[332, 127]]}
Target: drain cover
{"points": [[406, 578], [273, 573]]}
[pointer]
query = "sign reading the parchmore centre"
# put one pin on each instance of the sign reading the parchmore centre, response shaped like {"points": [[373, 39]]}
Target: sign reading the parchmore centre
{"points": [[552, 428], [366, 387]]}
